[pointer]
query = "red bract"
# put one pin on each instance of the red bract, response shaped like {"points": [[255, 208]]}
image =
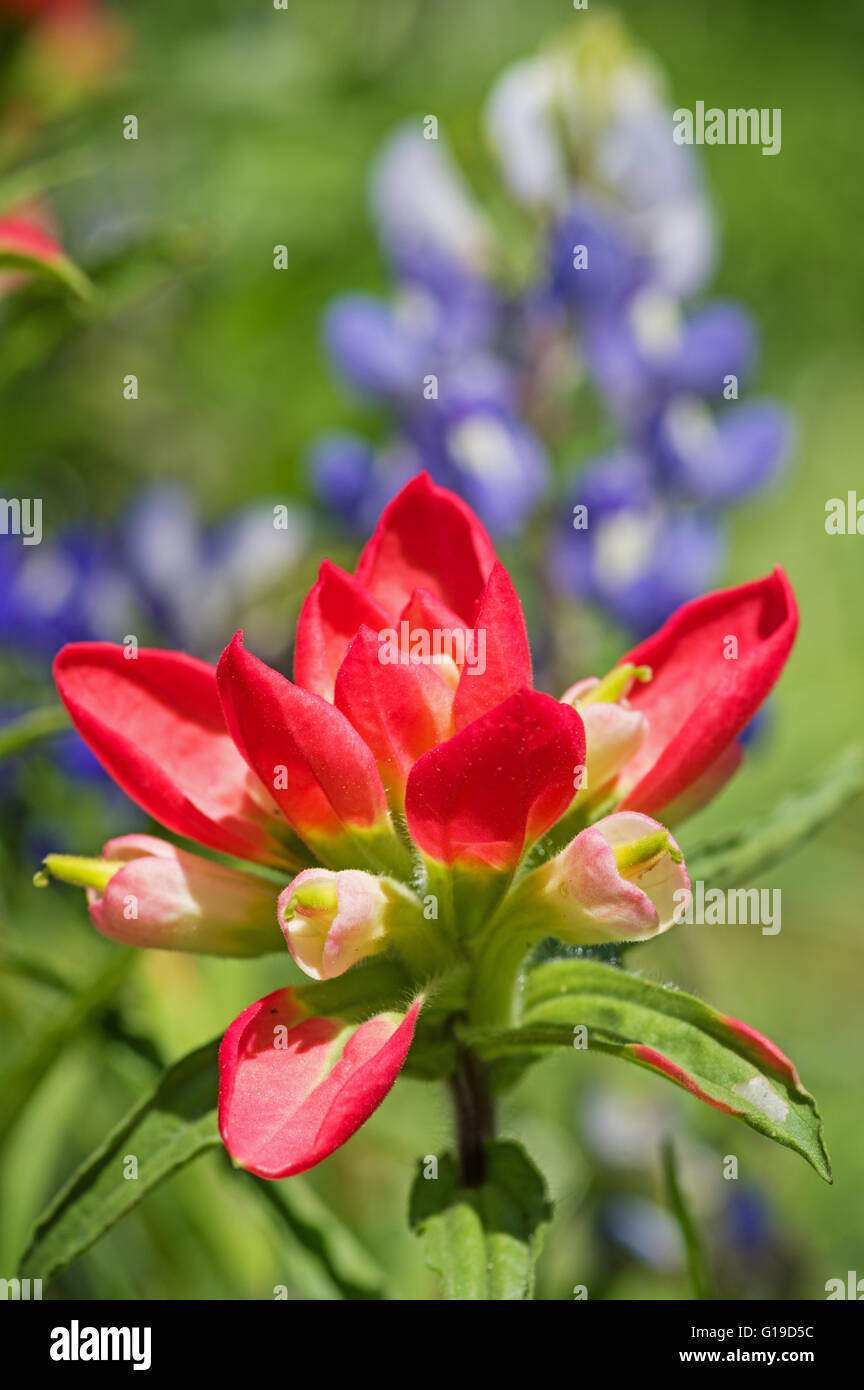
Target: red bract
{"points": [[498, 785], [289, 1094], [428, 576], [713, 663], [412, 693], [320, 772], [399, 711], [427, 538], [157, 726]]}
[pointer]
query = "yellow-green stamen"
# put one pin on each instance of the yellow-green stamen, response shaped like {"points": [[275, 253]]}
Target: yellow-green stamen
{"points": [[75, 868], [641, 855], [616, 684], [320, 897]]}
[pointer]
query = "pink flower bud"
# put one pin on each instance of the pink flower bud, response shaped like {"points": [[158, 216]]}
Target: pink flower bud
{"points": [[146, 892], [616, 881], [330, 920]]}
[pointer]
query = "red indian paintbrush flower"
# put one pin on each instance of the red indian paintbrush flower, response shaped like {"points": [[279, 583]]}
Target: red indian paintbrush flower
{"points": [[429, 806], [26, 247]]}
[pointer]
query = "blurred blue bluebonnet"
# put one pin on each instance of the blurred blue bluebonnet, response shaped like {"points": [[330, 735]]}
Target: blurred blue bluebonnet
{"points": [[195, 582], [583, 137], [721, 458], [435, 353], [161, 575], [373, 350], [670, 382], [68, 588], [441, 316], [593, 264], [590, 111], [583, 134], [748, 1224], [647, 554], [641, 1230], [642, 350]]}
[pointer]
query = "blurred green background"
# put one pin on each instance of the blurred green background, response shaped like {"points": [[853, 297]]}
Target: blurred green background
{"points": [[257, 128]]}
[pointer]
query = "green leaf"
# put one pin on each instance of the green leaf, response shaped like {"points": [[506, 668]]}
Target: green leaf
{"points": [[30, 728], [317, 1228], [59, 268], [175, 1124], [19, 963], [80, 1011], [23, 184], [483, 1241], [696, 1260], [433, 1051], [716, 1058], [750, 848], [30, 968]]}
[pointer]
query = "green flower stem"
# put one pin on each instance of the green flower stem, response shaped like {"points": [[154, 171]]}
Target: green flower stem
{"points": [[499, 956]]}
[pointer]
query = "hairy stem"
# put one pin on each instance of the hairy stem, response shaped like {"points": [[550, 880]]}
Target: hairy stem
{"points": [[499, 959]]}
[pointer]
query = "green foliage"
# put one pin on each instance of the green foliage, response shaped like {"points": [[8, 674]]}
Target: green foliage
{"points": [[166, 1131], [57, 268], [31, 728], [483, 1241], [692, 1044], [756, 845], [347, 1264], [686, 1223], [79, 1012]]}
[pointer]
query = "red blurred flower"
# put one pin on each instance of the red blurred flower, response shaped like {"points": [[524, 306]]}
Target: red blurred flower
{"points": [[40, 9]]}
